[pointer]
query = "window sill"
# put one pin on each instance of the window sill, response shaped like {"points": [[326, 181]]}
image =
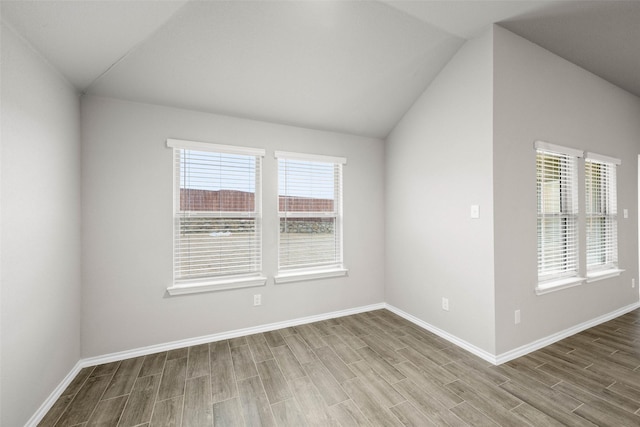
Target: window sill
{"points": [[300, 276], [216, 285], [603, 274], [558, 285]]}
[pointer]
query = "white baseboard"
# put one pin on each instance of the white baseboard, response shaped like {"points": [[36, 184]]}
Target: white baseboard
{"points": [[491, 358], [443, 334], [520, 351], [143, 351], [46, 406], [543, 342]]}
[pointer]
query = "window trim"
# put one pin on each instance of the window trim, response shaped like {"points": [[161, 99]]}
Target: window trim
{"points": [[559, 284], [546, 146], [304, 275], [321, 271], [584, 276], [603, 271], [310, 157], [211, 284], [223, 284], [216, 148], [602, 158], [598, 275], [563, 279]]}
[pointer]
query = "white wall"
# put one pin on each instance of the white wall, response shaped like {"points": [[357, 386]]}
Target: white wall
{"points": [[538, 95], [127, 224], [439, 163], [40, 230]]}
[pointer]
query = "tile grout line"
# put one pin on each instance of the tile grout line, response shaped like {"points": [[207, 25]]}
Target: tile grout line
{"points": [[74, 397], [103, 391], [155, 400], [126, 404], [209, 379], [124, 408]]}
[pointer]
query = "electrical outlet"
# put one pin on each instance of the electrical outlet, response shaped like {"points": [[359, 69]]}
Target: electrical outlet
{"points": [[445, 304], [517, 316], [257, 299]]}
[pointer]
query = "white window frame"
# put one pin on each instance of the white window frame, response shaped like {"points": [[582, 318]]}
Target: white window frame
{"points": [[337, 269], [584, 273], [606, 211], [551, 279], [216, 282]]}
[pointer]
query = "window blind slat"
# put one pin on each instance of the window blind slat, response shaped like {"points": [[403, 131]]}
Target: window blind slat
{"points": [[310, 211], [601, 213], [557, 201], [217, 206]]}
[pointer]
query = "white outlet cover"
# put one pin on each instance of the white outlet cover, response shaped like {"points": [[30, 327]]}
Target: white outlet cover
{"points": [[475, 211]]}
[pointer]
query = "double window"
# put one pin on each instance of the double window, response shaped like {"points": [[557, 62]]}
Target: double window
{"points": [[218, 217], [559, 216]]}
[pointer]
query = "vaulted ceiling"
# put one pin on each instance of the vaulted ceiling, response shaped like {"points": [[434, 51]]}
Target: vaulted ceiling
{"points": [[347, 66]]}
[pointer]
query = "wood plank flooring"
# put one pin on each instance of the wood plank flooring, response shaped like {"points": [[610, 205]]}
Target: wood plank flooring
{"points": [[369, 369]]}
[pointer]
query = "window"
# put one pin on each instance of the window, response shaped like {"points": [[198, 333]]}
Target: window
{"points": [[310, 216], [557, 195], [217, 217], [601, 213], [561, 263]]}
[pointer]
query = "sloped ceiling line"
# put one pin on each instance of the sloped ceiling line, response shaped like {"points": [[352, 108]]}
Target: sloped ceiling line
{"points": [[348, 66], [132, 49]]}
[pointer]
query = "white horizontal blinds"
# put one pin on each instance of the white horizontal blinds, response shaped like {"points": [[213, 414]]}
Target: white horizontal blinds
{"points": [[310, 211], [601, 214], [217, 214], [557, 194]]}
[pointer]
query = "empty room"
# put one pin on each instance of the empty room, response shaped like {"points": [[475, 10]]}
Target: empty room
{"points": [[322, 213]]}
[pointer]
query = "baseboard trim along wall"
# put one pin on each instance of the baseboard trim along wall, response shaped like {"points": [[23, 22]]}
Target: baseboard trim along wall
{"points": [[543, 342], [520, 351], [53, 397], [91, 361], [491, 358], [442, 334], [143, 351]]}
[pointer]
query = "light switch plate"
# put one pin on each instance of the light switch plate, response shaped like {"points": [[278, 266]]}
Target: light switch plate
{"points": [[475, 211]]}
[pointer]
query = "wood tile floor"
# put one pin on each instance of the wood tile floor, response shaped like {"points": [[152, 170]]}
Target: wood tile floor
{"points": [[372, 368]]}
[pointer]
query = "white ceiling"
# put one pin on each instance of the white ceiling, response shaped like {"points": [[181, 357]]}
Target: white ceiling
{"points": [[348, 66], [465, 19], [82, 39], [602, 37]]}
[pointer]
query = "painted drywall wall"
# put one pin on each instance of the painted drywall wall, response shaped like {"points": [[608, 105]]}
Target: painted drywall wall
{"points": [[40, 226], [540, 96], [127, 227], [438, 164]]}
